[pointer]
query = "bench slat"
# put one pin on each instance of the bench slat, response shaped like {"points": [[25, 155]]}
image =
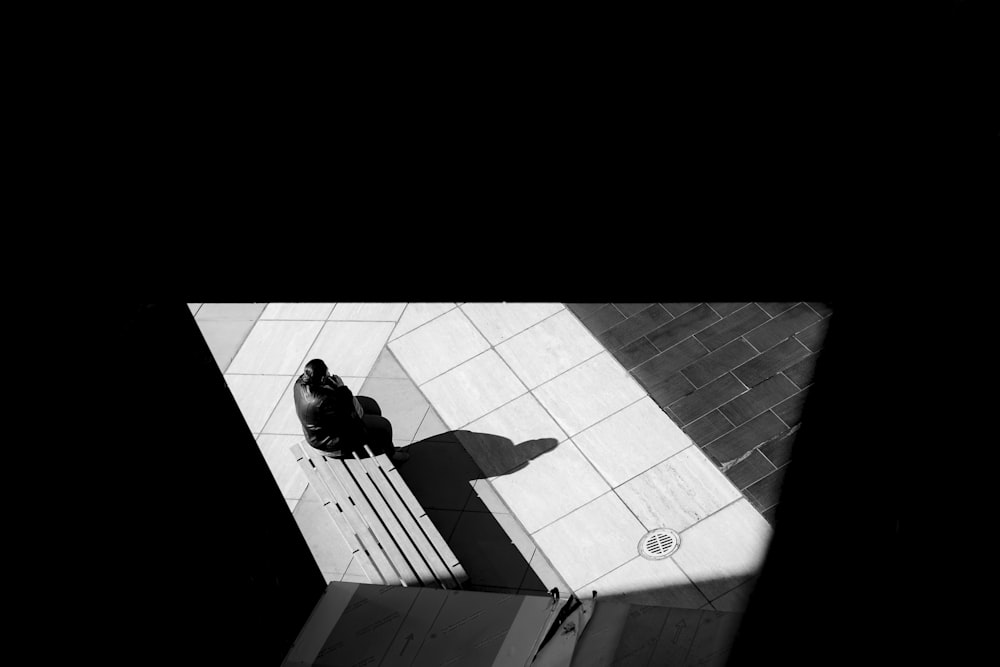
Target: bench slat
{"points": [[396, 529], [442, 548], [438, 568], [338, 517], [384, 572], [368, 508], [358, 523]]}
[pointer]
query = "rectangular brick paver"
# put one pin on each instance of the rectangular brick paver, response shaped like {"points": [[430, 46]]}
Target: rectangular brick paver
{"points": [[765, 493], [775, 308], [725, 309], [635, 327], [708, 428], [801, 372], [684, 325], [666, 363], [718, 362], [770, 363], [634, 353], [750, 470], [732, 326], [630, 309], [602, 319], [584, 310], [708, 398], [767, 394], [779, 451], [678, 308], [743, 438], [790, 322], [823, 309], [790, 409], [812, 336], [672, 389]]}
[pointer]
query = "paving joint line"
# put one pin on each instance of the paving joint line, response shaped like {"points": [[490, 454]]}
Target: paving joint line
{"points": [[627, 318], [485, 339], [391, 339], [659, 463]]}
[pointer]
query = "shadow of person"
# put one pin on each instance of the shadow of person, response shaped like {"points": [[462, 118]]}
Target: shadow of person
{"points": [[442, 473]]}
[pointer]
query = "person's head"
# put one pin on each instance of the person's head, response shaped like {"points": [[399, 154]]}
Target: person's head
{"points": [[315, 371]]}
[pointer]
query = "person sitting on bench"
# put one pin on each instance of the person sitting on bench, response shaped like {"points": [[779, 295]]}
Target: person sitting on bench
{"points": [[338, 423]]}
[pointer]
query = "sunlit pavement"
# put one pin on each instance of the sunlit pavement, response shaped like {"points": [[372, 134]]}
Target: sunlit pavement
{"points": [[577, 463]]}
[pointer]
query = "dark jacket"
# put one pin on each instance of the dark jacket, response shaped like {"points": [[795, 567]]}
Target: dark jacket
{"points": [[329, 420]]}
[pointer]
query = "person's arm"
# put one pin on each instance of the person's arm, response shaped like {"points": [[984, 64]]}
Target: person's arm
{"points": [[340, 383]]}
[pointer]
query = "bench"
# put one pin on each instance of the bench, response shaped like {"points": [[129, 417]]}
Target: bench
{"points": [[381, 521]]}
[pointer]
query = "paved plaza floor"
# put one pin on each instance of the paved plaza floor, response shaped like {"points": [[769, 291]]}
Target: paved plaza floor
{"points": [[540, 458]]}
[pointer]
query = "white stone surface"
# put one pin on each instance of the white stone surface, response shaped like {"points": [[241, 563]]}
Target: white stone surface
{"points": [[592, 541], [417, 314], [367, 312], [499, 321], [550, 486], [348, 348], [438, 346], [679, 492], [729, 547], [544, 350], [257, 396], [583, 396], [275, 348], [631, 441], [475, 388]]}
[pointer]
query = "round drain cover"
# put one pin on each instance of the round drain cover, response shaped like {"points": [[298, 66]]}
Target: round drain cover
{"points": [[659, 543]]}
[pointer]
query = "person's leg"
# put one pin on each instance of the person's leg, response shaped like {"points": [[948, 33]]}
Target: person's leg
{"points": [[379, 433], [369, 406]]}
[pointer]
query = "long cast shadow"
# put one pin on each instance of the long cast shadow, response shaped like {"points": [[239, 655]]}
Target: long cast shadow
{"points": [[442, 472]]}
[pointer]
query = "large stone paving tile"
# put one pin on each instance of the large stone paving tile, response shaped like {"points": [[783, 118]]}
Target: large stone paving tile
{"points": [[592, 541], [724, 550], [679, 492], [230, 311], [440, 473], [257, 396], [297, 311], [487, 553], [496, 455], [328, 546], [546, 349], [583, 396], [367, 312], [401, 403], [431, 426], [348, 348], [417, 314], [276, 348], [386, 366], [500, 321], [550, 486], [651, 582], [472, 390], [631, 441], [286, 470], [438, 346], [284, 420], [520, 420], [224, 338]]}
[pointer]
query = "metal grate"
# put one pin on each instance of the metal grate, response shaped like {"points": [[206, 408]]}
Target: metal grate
{"points": [[659, 543]]}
